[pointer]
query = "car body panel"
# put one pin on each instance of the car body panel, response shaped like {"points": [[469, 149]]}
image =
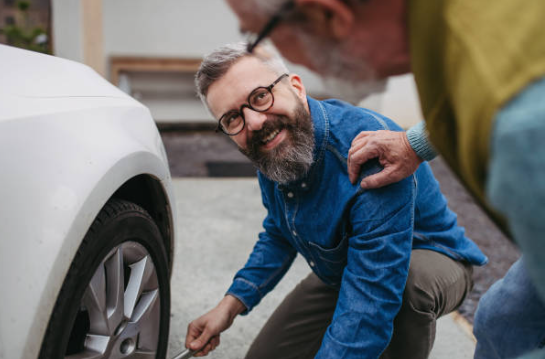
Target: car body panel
{"points": [[61, 158]]}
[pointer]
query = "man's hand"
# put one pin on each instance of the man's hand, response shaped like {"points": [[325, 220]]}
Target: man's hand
{"points": [[393, 151], [205, 330]]}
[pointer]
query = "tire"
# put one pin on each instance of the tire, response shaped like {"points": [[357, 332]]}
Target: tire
{"points": [[115, 299]]}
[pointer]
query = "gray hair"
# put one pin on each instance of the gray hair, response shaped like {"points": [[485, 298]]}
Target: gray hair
{"points": [[216, 64], [271, 7]]}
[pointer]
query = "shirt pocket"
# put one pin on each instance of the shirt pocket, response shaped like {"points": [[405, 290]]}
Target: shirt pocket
{"points": [[331, 260]]}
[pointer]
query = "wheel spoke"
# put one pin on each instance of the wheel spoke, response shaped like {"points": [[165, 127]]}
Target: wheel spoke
{"points": [[97, 343], [95, 347], [147, 316], [87, 354], [94, 300], [141, 271], [115, 278], [145, 305]]}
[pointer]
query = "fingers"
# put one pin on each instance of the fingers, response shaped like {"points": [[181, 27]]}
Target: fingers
{"points": [[362, 135], [212, 345], [357, 156], [365, 146], [391, 148], [202, 341], [383, 178], [194, 330]]}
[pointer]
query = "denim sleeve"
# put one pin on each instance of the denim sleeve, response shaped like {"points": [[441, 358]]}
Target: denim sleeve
{"points": [[418, 139], [270, 259], [375, 275]]}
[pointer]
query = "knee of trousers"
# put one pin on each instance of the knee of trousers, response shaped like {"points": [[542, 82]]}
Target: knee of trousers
{"points": [[419, 298]]}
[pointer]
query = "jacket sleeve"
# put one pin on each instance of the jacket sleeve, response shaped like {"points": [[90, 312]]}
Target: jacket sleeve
{"points": [[270, 259], [375, 275]]}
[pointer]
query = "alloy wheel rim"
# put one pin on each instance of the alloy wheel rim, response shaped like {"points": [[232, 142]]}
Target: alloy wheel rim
{"points": [[120, 313]]}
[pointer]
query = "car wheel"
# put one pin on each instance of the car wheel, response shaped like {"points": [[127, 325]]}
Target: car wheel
{"points": [[115, 299]]}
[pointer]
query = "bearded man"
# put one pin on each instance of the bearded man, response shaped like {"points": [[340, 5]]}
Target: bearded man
{"points": [[386, 263]]}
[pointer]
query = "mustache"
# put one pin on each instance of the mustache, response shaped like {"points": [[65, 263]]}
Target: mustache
{"points": [[276, 122], [292, 158]]}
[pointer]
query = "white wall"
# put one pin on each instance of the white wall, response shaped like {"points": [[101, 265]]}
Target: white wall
{"points": [[67, 30], [168, 28]]}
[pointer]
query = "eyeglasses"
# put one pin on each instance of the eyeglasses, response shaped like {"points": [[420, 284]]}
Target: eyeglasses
{"points": [[273, 22], [260, 100]]}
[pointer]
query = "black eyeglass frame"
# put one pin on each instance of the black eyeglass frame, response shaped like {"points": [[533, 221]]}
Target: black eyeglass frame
{"points": [[284, 10], [248, 105]]}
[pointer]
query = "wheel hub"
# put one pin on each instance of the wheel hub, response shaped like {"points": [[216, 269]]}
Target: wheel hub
{"points": [[127, 346]]}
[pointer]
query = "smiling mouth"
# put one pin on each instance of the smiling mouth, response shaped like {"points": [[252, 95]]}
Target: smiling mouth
{"points": [[270, 137]]}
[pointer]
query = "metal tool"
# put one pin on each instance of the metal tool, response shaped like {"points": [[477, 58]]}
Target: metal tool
{"points": [[188, 353]]}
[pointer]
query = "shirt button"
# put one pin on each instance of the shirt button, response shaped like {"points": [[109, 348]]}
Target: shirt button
{"points": [[290, 194], [303, 185], [311, 263]]}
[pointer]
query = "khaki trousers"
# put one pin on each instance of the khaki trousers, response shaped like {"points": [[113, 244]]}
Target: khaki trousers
{"points": [[436, 285]]}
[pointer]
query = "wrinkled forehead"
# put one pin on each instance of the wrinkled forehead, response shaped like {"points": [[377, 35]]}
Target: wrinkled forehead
{"points": [[233, 88]]}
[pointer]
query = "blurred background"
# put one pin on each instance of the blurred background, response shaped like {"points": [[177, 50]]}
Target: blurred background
{"points": [[152, 49]]}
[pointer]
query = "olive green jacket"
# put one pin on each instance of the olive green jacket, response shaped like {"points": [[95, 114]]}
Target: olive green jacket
{"points": [[469, 57]]}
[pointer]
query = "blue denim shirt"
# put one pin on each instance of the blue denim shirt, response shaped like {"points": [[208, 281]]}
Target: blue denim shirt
{"points": [[356, 240]]}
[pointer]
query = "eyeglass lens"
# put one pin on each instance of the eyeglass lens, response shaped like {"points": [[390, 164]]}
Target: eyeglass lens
{"points": [[261, 99], [232, 122]]}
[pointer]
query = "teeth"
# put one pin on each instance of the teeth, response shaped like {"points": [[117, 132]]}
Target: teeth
{"points": [[271, 136]]}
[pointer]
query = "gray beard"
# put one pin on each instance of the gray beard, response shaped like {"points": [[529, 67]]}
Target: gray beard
{"points": [[337, 71], [291, 159]]}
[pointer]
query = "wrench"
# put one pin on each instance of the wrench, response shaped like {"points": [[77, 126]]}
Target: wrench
{"points": [[188, 353]]}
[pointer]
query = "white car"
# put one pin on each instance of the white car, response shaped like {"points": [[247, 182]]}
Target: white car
{"points": [[87, 220]]}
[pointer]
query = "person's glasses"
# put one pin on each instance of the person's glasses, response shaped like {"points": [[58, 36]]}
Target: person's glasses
{"points": [[260, 100], [273, 22]]}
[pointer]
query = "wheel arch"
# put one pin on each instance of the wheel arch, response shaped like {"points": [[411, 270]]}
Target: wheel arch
{"points": [[147, 192]]}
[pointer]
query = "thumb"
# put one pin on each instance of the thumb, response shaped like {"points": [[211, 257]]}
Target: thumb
{"points": [[202, 340], [379, 179]]}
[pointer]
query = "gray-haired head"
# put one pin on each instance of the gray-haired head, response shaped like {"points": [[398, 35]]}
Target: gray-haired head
{"points": [[216, 64]]}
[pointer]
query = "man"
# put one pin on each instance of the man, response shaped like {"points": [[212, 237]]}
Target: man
{"points": [[375, 255], [479, 69]]}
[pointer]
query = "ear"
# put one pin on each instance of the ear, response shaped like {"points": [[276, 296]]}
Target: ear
{"points": [[333, 16], [298, 87]]}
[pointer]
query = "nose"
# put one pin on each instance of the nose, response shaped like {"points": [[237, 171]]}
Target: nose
{"points": [[254, 120]]}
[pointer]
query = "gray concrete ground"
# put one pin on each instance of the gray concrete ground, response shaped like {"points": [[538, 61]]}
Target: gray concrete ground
{"points": [[219, 220]]}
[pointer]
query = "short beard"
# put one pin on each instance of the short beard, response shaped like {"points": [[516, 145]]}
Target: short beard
{"points": [[291, 159], [338, 70]]}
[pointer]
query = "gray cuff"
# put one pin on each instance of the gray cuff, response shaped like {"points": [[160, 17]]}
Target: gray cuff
{"points": [[418, 139]]}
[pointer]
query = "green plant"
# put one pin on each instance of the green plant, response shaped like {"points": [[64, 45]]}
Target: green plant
{"points": [[24, 35]]}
